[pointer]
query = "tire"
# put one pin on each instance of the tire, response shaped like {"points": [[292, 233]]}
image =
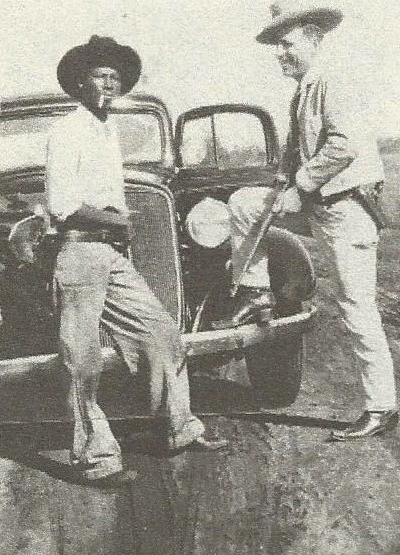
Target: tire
{"points": [[275, 371]]}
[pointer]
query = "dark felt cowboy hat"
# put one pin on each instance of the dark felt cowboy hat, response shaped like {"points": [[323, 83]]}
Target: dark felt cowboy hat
{"points": [[98, 52], [287, 14]]}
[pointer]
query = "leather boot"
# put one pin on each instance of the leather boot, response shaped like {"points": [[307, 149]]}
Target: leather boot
{"points": [[251, 304]]}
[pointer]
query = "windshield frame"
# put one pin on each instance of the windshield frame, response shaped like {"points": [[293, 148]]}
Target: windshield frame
{"points": [[50, 105]]}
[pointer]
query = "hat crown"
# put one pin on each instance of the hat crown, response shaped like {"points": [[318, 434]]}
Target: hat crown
{"points": [[287, 14], [285, 7], [101, 44]]}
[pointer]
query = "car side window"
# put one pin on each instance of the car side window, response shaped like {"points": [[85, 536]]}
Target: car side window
{"points": [[140, 137], [224, 141], [198, 145], [23, 142]]}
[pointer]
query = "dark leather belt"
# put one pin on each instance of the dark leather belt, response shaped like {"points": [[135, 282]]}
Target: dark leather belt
{"points": [[336, 197], [101, 236]]}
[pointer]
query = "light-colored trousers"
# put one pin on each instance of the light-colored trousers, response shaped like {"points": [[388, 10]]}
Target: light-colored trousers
{"points": [[349, 238], [246, 206], [96, 282]]}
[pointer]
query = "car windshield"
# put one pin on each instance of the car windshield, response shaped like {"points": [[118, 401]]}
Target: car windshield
{"points": [[23, 141]]}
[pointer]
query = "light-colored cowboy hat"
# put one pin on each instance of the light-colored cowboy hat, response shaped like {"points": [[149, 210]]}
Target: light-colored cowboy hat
{"points": [[287, 14], [98, 52]]}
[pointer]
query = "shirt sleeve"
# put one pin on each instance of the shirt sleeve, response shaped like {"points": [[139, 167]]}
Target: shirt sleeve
{"points": [[341, 121], [61, 173], [120, 203]]}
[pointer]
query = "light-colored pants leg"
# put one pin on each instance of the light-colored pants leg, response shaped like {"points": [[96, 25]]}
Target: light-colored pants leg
{"points": [[350, 239], [246, 206], [139, 323], [82, 273]]}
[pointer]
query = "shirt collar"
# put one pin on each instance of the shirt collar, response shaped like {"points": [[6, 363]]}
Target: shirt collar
{"points": [[311, 74], [88, 117]]}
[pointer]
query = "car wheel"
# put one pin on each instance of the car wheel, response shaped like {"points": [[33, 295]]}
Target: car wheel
{"points": [[275, 371]]}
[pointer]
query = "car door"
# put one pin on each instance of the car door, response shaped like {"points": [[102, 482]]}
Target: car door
{"points": [[221, 148]]}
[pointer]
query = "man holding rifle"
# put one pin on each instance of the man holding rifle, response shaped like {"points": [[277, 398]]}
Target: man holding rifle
{"points": [[335, 173], [85, 189]]}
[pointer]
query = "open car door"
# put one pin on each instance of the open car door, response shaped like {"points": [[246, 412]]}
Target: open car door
{"points": [[222, 148]]}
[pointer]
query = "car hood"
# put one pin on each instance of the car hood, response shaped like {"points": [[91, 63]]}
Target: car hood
{"points": [[152, 176]]}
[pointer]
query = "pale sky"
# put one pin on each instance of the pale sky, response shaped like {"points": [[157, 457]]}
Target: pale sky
{"points": [[198, 52]]}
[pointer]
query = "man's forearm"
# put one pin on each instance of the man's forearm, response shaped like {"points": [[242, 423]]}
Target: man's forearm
{"points": [[335, 156]]}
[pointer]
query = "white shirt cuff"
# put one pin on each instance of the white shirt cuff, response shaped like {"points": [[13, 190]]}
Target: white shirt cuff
{"points": [[62, 216], [304, 182]]}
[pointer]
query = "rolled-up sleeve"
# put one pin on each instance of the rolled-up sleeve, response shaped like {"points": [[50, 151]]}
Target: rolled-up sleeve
{"points": [[61, 173], [340, 122]]}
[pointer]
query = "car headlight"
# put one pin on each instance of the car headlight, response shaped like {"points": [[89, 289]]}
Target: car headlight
{"points": [[208, 223]]}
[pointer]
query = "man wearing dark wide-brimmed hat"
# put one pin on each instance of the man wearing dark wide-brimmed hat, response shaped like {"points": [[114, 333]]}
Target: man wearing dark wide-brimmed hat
{"points": [[85, 189], [333, 167]]}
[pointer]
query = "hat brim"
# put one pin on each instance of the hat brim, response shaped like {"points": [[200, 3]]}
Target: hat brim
{"points": [[326, 18], [75, 63]]}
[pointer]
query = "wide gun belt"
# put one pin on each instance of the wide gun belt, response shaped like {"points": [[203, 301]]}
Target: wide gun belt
{"points": [[335, 197], [367, 195], [101, 236]]}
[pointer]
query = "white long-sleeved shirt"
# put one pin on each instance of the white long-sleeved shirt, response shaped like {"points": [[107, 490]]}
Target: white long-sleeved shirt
{"points": [[84, 165]]}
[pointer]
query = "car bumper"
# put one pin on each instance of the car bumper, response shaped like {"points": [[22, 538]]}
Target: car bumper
{"points": [[217, 341], [196, 344]]}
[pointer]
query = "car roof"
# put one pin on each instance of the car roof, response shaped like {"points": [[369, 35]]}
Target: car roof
{"points": [[44, 101]]}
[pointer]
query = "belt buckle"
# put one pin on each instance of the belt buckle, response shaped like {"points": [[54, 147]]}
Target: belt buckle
{"points": [[104, 236]]}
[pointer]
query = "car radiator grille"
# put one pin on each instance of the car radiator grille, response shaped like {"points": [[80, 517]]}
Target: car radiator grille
{"points": [[154, 248]]}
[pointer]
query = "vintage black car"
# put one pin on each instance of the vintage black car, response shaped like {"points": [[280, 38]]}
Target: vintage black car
{"points": [[214, 151]]}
